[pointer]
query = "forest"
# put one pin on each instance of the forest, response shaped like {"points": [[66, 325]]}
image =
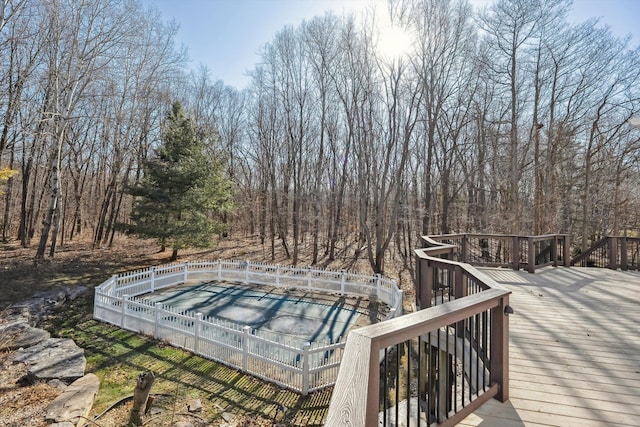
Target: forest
{"points": [[506, 119]]}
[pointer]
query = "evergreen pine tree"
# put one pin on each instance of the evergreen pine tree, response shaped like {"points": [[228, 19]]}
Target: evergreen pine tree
{"points": [[182, 190]]}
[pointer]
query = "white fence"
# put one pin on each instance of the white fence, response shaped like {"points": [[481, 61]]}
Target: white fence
{"points": [[302, 368]]}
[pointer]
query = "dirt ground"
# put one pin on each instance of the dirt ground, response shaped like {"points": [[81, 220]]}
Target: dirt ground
{"points": [[80, 263]]}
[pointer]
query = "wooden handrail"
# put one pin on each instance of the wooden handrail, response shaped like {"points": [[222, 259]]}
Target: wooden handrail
{"points": [[600, 243], [509, 245], [356, 395]]}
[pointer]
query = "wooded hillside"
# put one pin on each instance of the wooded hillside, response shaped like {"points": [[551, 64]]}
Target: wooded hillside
{"points": [[505, 120]]}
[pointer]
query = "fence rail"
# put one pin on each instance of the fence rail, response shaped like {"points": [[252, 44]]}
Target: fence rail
{"points": [[302, 367]]}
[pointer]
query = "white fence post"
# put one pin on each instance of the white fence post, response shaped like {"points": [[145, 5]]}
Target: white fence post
{"points": [[153, 279], [305, 368], [114, 285], [377, 285], [196, 337], [278, 275], [124, 300], [219, 270], [309, 277], [156, 325], [343, 279], [245, 347], [186, 271]]}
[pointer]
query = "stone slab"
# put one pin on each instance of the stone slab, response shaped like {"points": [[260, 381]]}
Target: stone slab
{"points": [[75, 402], [53, 358], [20, 335]]}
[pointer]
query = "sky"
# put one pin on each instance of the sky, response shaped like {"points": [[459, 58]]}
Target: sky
{"points": [[226, 35]]}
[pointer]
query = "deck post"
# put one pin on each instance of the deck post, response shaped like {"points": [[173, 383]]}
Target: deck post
{"points": [[465, 248], [515, 251], [426, 283], [623, 254], [531, 258], [554, 250], [613, 253], [566, 256], [500, 349], [421, 277]]}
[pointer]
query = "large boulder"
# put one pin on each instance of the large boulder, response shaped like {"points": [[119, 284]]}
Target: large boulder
{"points": [[75, 402], [53, 358], [19, 334], [44, 303]]}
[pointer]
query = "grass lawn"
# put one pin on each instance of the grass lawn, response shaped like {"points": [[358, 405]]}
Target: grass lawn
{"points": [[117, 357]]}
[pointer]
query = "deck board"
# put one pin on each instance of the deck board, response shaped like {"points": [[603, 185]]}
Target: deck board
{"points": [[574, 350]]}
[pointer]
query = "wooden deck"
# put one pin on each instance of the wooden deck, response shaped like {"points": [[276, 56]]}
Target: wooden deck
{"points": [[574, 350]]}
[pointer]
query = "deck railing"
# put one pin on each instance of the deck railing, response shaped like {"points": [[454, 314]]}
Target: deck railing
{"points": [[614, 252], [300, 366], [509, 251], [433, 366]]}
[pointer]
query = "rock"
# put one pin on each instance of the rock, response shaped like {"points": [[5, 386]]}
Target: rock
{"points": [[53, 358], [64, 424], [60, 385], [228, 417], [183, 424], [194, 405], [27, 380], [28, 310], [44, 303], [19, 334], [75, 402]]}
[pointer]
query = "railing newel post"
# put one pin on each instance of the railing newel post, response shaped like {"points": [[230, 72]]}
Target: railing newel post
{"points": [[531, 255], [309, 277], [567, 251], [343, 279], [500, 348], [465, 248], [246, 272], [278, 275], [219, 269], [153, 278], [430, 273], [515, 250], [613, 253], [623, 253]]}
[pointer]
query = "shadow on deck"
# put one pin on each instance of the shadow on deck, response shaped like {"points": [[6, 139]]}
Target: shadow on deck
{"points": [[574, 349]]}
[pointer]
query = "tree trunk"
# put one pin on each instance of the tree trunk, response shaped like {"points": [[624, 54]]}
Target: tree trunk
{"points": [[53, 203], [140, 397]]}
